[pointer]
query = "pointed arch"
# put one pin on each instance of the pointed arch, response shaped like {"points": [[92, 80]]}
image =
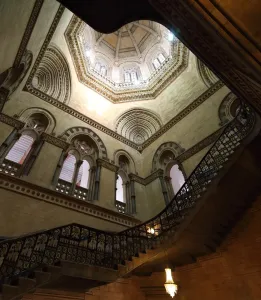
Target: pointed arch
{"points": [[72, 132]]}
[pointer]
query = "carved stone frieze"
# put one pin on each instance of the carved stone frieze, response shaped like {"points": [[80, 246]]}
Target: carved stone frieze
{"points": [[11, 121], [55, 141], [107, 165]]}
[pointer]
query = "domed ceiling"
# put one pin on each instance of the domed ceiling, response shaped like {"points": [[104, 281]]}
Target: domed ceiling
{"points": [[136, 62]]}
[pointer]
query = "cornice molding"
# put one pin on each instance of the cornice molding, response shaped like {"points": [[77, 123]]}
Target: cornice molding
{"points": [[55, 141], [19, 186], [107, 165], [11, 121], [28, 31]]}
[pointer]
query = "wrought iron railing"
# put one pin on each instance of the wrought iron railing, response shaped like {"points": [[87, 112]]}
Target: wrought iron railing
{"points": [[81, 244]]}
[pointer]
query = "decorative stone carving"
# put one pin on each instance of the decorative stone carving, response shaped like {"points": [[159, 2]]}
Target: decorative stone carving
{"points": [[228, 108], [207, 76], [70, 133], [52, 76], [55, 141], [173, 151], [83, 147], [11, 121], [138, 124], [107, 165]]}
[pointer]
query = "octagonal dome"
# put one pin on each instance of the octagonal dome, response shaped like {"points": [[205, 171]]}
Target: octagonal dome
{"points": [[136, 62]]}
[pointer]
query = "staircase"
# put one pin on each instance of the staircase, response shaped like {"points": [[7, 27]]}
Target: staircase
{"points": [[76, 256]]}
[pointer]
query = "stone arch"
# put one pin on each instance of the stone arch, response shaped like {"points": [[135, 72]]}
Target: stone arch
{"points": [[172, 147], [11, 78], [71, 133], [118, 153], [27, 113], [228, 108], [52, 76], [207, 76], [138, 124]]}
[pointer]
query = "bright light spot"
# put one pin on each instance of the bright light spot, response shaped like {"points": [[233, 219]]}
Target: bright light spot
{"points": [[170, 36], [88, 52]]}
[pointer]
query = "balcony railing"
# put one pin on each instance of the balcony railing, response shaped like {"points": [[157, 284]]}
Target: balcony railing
{"points": [[81, 244], [121, 206], [9, 167], [65, 187]]}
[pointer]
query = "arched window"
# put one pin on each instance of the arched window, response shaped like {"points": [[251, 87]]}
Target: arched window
{"points": [[134, 76], [100, 68], [127, 77], [158, 61], [68, 168], [20, 149], [177, 178], [83, 175], [120, 191]]}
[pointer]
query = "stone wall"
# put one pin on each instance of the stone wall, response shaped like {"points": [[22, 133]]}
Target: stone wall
{"points": [[232, 272]]}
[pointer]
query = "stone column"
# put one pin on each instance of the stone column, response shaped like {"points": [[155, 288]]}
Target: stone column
{"points": [[92, 176], [58, 168], [3, 97], [170, 190], [31, 157], [97, 181], [76, 171], [133, 197], [126, 189], [163, 187]]}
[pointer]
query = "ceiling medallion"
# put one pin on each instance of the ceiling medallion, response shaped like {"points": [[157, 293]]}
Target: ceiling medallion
{"points": [[102, 61]]}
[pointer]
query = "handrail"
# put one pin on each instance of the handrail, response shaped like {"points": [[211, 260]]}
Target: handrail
{"points": [[83, 244]]}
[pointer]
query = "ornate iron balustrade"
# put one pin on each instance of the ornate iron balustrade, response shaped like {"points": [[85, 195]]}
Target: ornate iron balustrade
{"points": [[81, 244]]}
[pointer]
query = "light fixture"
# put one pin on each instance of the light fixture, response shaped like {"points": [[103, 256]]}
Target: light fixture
{"points": [[170, 286]]}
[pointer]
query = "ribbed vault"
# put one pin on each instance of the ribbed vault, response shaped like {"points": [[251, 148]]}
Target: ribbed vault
{"points": [[52, 76], [138, 124]]}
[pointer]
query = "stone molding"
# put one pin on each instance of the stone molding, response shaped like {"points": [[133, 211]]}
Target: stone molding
{"points": [[55, 141], [11, 121], [72, 132], [28, 31], [200, 146], [107, 165], [43, 194]]}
